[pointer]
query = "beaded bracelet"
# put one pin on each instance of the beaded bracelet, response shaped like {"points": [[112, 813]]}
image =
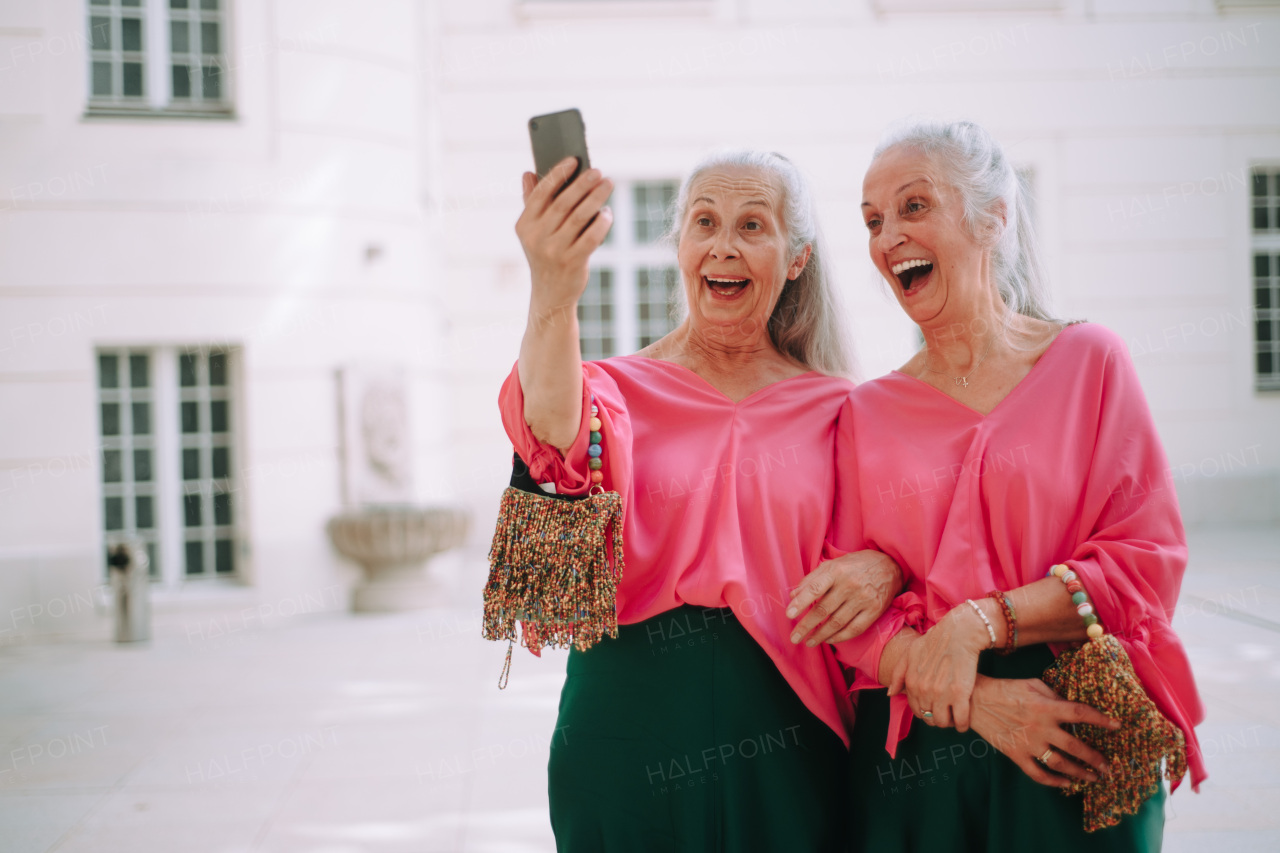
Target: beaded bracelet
{"points": [[991, 632], [1010, 620], [594, 450], [1079, 598]]}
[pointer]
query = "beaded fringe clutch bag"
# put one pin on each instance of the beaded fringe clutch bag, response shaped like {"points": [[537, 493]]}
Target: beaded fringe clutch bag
{"points": [[554, 564], [1100, 674]]}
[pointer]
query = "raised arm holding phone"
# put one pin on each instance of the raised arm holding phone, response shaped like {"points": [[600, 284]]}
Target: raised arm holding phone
{"points": [[559, 233]]}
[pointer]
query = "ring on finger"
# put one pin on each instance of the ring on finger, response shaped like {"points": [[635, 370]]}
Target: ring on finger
{"points": [[928, 715], [1044, 759]]}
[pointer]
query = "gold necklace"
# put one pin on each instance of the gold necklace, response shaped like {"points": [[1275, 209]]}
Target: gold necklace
{"points": [[962, 381]]}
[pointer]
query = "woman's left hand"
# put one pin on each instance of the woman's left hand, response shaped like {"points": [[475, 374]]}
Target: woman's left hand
{"points": [[1024, 719], [938, 670], [847, 595]]}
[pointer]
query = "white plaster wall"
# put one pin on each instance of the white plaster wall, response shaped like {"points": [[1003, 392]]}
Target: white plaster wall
{"points": [[1140, 120], [400, 124], [252, 231]]}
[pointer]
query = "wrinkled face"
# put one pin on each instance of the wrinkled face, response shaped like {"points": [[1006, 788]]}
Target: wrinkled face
{"points": [[918, 240], [733, 252]]}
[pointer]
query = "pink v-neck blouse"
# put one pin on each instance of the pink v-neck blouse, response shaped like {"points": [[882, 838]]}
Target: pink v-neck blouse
{"points": [[724, 504], [1067, 469]]}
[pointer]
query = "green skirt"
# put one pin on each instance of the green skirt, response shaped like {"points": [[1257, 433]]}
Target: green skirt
{"points": [[681, 735], [946, 791]]}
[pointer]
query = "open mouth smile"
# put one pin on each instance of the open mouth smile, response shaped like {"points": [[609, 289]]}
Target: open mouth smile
{"points": [[727, 286], [912, 274]]}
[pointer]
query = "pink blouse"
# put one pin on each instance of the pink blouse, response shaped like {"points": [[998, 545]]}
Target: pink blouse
{"points": [[725, 504], [1067, 468]]}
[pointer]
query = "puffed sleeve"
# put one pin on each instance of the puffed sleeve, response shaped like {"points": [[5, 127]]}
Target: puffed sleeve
{"points": [[570, 473], [1132, 550], [845, 535]]}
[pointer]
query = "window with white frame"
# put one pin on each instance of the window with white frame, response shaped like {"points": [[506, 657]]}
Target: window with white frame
{"points": [[195, 51], [595, 316], [116, 52], [630, 298], [126, 416], [168, 455], [1266, 277], [655, 299], [162, 57], [208, 488]]}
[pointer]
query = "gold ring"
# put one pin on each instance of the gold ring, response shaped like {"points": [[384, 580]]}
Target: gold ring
{"points": [[1044, 759]]}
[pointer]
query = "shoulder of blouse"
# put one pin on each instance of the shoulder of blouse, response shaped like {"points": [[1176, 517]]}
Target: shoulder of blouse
{"points": [[1096, 346], [1094, 338], [873, 389], [826, 383]]}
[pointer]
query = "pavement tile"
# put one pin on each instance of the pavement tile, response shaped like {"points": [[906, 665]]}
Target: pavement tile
{"points": [[332, 733], [33, 822], [1236, 841]]}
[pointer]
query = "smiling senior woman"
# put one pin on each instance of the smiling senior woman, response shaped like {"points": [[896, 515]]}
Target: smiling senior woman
{"points": [[701, 727], [1008, 444]]}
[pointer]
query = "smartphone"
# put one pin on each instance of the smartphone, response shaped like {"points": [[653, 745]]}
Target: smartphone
{"points": [[556, 136]]}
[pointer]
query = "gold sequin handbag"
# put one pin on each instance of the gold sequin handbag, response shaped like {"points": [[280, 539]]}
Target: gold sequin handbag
{"points": [[554, 564], [1100, 674]]}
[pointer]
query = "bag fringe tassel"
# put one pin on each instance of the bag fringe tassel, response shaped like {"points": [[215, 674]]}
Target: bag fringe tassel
{"points": [[1100, 674], [554, 567]]}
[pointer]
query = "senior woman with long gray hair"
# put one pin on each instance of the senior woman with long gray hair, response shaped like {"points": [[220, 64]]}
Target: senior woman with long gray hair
{"points": [[701, 727], [1012, 468]]}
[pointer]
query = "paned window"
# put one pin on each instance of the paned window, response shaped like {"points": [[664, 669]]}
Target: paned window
{"points": [[117, 51], [630, 299], [195, 50], [655, 299], [595, 316], [158, 57], [127, 426], [1266, 277], [652, 208], [208, 494], [169, 458]]}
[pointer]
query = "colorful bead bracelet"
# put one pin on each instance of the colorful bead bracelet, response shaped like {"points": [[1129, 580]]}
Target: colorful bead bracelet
{"points": [[594, 450], [1079, 598], [1010, 620]]}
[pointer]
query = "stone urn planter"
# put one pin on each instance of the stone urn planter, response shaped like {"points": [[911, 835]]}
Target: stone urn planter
{"points": [[392, 544]]}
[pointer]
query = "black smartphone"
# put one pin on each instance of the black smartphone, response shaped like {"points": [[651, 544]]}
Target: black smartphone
{"points": [[556, 136]]}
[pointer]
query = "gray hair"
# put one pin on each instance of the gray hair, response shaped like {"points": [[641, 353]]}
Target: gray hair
{"points": [[976, 166], [806, 322]]}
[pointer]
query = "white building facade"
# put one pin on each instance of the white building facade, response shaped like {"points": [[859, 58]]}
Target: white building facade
{"points": [[210, 207]]}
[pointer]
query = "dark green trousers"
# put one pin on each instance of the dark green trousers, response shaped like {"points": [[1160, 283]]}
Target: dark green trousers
{"points": [[681, 735], [946, 791]]}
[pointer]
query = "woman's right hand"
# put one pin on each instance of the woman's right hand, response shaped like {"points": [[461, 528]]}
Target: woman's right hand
{"points": [[938, 669], [554, 231], [1024, 719], [848, 594]]}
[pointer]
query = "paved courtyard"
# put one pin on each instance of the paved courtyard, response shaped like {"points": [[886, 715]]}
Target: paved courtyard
{"points": [[328, 733]]}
